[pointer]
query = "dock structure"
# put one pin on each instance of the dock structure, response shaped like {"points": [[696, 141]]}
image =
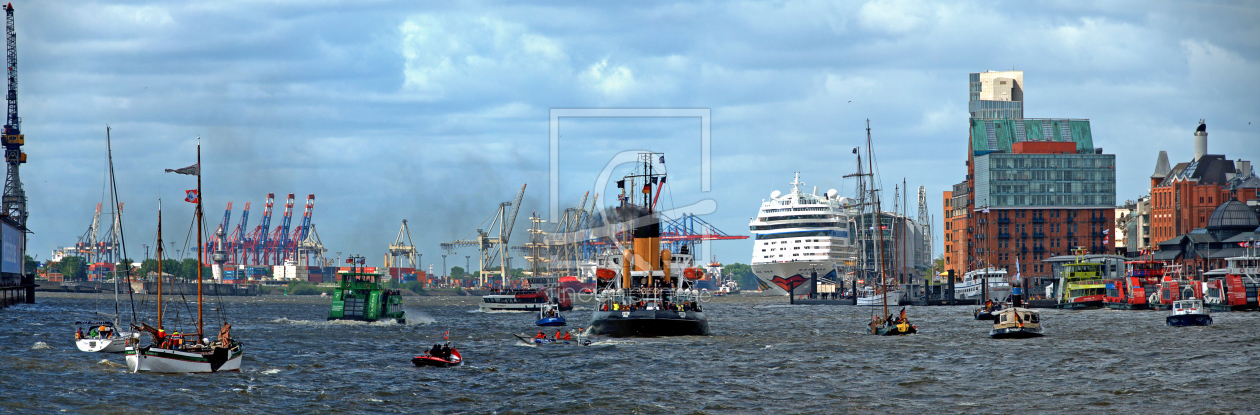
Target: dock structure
{"points": [[16, 289]]}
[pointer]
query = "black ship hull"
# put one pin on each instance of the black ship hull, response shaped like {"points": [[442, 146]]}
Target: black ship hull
{"points": [[649, 323], [1015, 333]]}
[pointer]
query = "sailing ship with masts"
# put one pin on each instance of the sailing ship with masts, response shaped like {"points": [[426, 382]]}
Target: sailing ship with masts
{"points": [[880, 289], [188, 353]]}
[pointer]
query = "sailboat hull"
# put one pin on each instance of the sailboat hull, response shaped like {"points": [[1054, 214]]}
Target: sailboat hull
{"points": [[113, 345], [894, 298], [153, 359]]}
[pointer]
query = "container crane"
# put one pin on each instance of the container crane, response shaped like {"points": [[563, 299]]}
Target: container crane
{"points": [[258, 239], [280, 236], [236, 241], [299, 234], [486, 243], [402, 251]]}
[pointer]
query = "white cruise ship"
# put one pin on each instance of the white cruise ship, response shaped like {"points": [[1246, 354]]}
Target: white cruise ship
{"points": [[799, 236]]}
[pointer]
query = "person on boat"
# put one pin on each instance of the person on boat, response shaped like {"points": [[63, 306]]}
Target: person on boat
{"points": [[558, 334], [540, 335], [567, 336], [446, 351], [78, 335], [436, 350]]}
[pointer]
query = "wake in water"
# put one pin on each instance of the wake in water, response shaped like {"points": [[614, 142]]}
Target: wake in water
{"points": [[109, 363], [40, 346], [286, 320]]}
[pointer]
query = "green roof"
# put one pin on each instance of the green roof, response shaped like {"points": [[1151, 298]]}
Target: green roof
{"points": [[1006, 133]]}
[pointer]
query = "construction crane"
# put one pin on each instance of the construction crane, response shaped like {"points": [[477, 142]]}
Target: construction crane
{"points": [[402, 250], [925, 220], [486, 244], [14, 199]]}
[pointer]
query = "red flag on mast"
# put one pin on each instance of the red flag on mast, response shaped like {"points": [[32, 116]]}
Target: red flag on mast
{"points": [[192, 196]]}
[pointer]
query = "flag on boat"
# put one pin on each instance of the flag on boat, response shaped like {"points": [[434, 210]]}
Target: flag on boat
{"points": [[194, 170], [447, 336], [192, 196], [903, 313]]}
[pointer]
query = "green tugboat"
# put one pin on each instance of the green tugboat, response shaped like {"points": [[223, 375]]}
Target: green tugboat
{"points": [[360, 297]]}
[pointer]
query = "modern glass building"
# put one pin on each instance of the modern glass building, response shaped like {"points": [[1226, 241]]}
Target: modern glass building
{"points": [[1046, 180]]}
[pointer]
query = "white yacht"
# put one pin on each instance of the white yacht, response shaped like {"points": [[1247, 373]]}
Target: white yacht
{"points": [[800, 236], [970, 288]]}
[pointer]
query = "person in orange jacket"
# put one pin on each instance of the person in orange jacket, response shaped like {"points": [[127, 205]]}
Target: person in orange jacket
{"points": [[540, 335], [567, 336]]}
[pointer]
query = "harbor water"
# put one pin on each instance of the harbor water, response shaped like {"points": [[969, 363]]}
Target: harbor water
{"points": [[763, 356]]}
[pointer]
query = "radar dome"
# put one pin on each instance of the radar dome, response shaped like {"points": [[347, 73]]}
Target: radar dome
{"points": [[775, 194], [831, 194]]}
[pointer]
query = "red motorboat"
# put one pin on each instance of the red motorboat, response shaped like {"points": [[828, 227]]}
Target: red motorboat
{"points": [[454, 359]]}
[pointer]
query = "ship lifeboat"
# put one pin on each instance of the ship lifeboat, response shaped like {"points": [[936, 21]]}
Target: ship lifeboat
{"points": [[605, 274], [693, 273]]}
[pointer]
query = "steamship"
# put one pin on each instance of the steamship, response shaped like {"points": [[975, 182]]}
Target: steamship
{"points": [[639, 289]]}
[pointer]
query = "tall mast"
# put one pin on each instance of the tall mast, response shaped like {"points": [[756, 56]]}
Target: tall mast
{"points": [[199, 323], [159, 265], [113, 201], [876, 222]]}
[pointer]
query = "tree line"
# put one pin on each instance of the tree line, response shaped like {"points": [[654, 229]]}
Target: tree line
{"points": [[75, 268]]}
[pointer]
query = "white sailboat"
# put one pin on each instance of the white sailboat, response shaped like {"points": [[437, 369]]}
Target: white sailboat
{"points": [[107, 338], [175, 354]]}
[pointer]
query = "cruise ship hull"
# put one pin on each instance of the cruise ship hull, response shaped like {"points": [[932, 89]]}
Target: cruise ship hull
{"points": [[778, 276]]}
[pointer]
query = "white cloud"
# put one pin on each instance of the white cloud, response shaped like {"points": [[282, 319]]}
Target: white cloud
{"points": [[893, 16], [610, 80], [456, 53]]}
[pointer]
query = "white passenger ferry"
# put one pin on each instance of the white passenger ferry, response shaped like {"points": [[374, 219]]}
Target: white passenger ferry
{"points": [[802, 238]]}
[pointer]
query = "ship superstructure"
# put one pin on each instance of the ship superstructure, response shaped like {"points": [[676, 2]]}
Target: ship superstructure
{"points": [[643, 293], [802, 239]]}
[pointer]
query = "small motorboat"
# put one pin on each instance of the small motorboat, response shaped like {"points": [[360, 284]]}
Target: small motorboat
{"points": [[987, 313], [540, 341], [549, 316], [453, 359], [1189, 313], [1016, 323]]}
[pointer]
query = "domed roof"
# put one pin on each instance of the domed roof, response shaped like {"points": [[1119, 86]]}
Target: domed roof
{"points": [[1233, 215]]}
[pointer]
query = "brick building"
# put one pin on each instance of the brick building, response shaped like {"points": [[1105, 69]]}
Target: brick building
{"points": [[1035, 188], [1184, 196]]}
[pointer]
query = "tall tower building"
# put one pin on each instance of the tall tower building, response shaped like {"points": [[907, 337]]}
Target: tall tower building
{"points": [[995, 95]]}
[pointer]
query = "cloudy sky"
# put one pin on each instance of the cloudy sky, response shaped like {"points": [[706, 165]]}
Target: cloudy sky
{"points": [[389, 111]]}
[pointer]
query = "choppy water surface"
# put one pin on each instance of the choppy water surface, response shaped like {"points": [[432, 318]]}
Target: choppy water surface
{"points": [[763, 356]]}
